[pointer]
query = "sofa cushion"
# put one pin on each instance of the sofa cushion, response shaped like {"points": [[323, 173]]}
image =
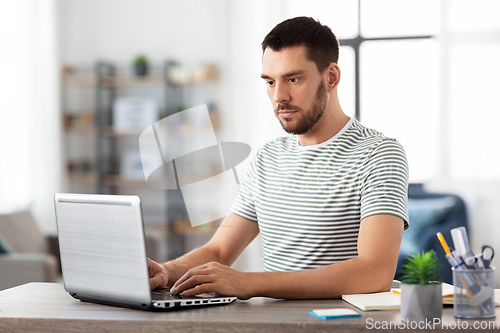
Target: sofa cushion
{"points": [[21, 233], [422, 214], [20, 268], [4, 246]]}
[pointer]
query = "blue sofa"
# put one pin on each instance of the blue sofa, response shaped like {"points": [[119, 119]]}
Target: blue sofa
{"points": [[431, 213]]}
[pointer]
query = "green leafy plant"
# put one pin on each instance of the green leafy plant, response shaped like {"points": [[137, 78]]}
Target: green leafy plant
{"points": [[141, 61], [421, 268]]}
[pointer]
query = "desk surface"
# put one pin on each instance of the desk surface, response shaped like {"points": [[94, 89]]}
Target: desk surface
{"points": [[46, 307]]}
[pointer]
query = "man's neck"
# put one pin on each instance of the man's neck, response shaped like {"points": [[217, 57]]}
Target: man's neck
{"points": [[326, 128]]}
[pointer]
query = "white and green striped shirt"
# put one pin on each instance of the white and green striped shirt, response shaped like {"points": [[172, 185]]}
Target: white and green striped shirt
{"points": [[309, 200]]}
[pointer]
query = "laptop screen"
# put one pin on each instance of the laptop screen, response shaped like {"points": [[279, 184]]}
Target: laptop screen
{"points": [[101, 241]]}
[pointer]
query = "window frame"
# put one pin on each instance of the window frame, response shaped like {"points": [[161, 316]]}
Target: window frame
{"points": [[355, 43]]}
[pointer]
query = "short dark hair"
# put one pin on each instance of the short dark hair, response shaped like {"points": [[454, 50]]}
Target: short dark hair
{"points": [[322, 45]]}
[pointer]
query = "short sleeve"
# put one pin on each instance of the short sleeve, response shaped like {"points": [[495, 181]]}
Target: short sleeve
{"points": [[385, 182], [243, 204]]}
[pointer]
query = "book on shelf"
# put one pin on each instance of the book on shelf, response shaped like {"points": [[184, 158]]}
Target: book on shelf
{"points": [[131, 165]]}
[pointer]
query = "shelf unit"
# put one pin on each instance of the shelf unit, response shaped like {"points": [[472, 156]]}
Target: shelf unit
{"points": [[95, 147]]}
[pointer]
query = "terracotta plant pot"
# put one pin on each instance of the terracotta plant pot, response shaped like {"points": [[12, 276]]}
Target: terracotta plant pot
{"points": [[419, 303]]}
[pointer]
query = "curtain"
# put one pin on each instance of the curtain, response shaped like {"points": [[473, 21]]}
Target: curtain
{"points": [[30, 131]]}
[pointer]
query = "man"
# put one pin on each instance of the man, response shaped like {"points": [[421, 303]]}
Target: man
{"points": [[330, 201]]}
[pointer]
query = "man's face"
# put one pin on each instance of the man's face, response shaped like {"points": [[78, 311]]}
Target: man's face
{"points": [[295, 87]]}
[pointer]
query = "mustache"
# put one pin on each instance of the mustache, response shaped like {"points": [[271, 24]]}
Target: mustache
{"points": [[286, 106]]}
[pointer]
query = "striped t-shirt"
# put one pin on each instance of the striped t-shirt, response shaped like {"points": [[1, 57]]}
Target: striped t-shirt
{"points": [[309, 200]]}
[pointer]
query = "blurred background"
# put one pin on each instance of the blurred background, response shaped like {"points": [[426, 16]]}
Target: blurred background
{"points": [[82, 78]]}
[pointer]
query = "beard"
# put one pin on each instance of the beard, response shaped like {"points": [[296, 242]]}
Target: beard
{"points": [[307, 118]]}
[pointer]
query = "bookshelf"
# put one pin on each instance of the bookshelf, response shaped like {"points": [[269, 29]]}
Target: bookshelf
{"points": [[96, 150]]}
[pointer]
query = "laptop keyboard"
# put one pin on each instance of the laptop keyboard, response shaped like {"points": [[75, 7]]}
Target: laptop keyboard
{"points": [[164, 295]]}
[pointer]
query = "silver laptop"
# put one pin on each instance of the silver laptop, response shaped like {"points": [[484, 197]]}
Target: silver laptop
{"points": [[103, 254]]}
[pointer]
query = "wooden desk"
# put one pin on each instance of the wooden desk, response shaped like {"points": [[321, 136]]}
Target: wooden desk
{"points": [[46, 307]]}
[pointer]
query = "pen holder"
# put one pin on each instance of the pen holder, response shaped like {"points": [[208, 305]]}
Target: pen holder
{"points": [[474, 295]]}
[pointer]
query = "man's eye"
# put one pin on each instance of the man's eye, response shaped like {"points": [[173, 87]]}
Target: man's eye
{"points": [[293, 80], [270, 83]]}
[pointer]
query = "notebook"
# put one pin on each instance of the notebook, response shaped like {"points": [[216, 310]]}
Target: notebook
{"points": [[391, 300], [103, 254], [334, 313], [374, 301]]}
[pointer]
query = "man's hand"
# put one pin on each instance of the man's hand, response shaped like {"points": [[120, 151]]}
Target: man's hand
{"points": [[213, 278], [234, 234], [158, 275]]}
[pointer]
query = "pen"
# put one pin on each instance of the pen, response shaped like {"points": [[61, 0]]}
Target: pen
{"points": [[468, 283], [460, 241]]}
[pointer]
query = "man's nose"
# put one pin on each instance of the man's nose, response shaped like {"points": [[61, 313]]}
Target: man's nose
{"points": [[281, 93]]}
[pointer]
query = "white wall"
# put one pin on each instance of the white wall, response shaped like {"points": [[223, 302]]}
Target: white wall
{"points": [[118, 30]]}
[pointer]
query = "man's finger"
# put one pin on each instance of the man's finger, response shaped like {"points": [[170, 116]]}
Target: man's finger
{"points": [[157, 280], [200, 289], [191, 282], [192, 272], [152, 283], [151, 267]]}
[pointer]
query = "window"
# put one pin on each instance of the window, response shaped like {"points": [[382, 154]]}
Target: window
{"points": [[424, 72], [396, 18], [472, 138], [389, 65], [399, 97]]}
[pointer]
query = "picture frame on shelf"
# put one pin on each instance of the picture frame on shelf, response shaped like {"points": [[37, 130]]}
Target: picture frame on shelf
{"points": [[134, 113]]}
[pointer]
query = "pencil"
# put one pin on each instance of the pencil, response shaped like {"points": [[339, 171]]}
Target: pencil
{"points": [[443, 243]]}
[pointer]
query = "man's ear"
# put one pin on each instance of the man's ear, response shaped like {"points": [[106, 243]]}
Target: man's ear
{"points": [[333, 76]]}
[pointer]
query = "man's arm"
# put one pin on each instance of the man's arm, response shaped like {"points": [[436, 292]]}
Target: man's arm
{"points": [[372, 271], [232, 237]]}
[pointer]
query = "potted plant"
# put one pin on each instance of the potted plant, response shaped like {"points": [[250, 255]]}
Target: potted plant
{"points": [[421, 296], [141, 65]]}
